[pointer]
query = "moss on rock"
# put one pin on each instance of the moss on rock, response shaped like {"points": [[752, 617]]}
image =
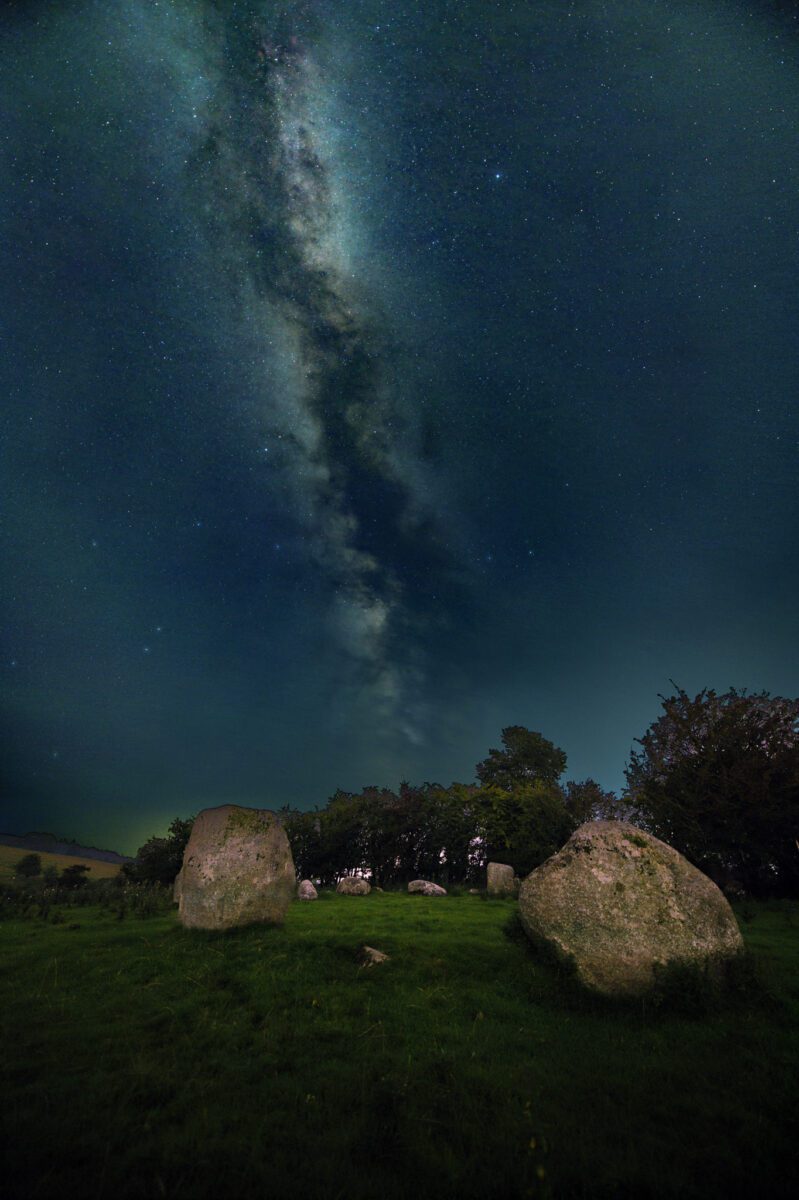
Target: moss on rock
{"points": [[620, 904], [237, 869]]}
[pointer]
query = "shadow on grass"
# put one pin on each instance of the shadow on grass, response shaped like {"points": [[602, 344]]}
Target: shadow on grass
{"points": [[745, 982]]}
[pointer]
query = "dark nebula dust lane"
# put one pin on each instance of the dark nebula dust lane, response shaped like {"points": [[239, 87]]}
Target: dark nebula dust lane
{"points": [[263, 173]]}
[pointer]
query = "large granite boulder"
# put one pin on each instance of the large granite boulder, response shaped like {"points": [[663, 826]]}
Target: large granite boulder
{"points": [[307, 891], [500, 880], [423, 887], [237, 869], [353, 885], [618, 904]]}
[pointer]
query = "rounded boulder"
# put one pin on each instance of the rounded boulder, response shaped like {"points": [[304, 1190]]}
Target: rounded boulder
{"points": [[353, 885], [423, 887], [237, 869], [619, 905]]}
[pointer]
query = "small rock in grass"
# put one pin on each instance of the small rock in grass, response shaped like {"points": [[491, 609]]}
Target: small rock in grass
{"points": [[372, 957], [307, 891]]}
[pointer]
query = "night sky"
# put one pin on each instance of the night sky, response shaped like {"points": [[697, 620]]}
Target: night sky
{"points": [[377, 375]]}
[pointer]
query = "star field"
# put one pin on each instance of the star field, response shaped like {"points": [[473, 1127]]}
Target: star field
{"points": [[381, 375]]}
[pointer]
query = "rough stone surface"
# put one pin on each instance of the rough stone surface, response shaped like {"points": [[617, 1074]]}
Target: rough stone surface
{"points": [[177, 887], [307, 891], [618, 903], [353, 885], [237, 869], [423, 887], [500, 880], [372, 957]]}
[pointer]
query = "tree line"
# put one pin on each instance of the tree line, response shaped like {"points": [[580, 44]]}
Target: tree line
{"points": [[715, 776], [444, 834], [72, 876]]}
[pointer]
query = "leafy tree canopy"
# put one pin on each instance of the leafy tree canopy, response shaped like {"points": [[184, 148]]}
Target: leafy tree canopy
{"points": [[527, 757], [446, 834], [717, 777], [160, 858], [74, 876], [522, 826], [588, 801], [28, 866]]}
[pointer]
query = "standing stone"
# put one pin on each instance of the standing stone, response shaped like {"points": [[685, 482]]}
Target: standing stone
{"points": [[353, 885], [237, 869], [307, 891], [177, 888], [618, 904], [500, 880], [423, 887]]}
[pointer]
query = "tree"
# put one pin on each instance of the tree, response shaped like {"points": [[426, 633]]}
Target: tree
{"points": [[28, 866], [524, 826], [454, 813], [424, 831], [160, 858], [303, 830], [74, 876], [588, 801], [717, 777], [441, 833], [528, 757]]}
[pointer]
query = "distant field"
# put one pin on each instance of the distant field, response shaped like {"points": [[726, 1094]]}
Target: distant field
{"points": [[10, 856]]}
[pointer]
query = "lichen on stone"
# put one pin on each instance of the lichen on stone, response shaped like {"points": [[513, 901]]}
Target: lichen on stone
{"points": [[623, 910], [237, 869]]}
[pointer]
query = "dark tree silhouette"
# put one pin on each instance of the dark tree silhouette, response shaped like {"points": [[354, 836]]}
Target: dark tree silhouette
{"points": [[74, 876], [527, 757], [717, 776], [588, 801], [160, 859], [28, 866]]}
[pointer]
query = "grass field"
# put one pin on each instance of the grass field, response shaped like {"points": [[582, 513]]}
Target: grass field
{"points": [[10, 856], [143, 1060]]}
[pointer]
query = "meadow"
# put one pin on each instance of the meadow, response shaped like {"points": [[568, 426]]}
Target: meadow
{"points": [[10, 856], [143, 1060]]}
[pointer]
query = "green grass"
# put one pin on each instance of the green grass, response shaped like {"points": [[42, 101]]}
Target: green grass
{"points": [[10, 856], [144, 1060]]}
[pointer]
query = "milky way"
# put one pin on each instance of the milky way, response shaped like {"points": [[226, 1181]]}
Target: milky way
{"points": [[379, 375], [279, 226]]}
